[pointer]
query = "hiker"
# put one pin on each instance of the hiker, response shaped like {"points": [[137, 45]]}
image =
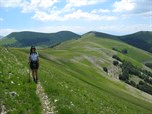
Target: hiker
{"points": [[34, 63]]}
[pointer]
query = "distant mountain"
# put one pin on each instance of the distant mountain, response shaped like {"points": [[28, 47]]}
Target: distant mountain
{"points": [[27, 38], [142, 40], [1, 37], [103, 35]]}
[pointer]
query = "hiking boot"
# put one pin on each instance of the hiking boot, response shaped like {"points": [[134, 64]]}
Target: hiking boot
{"points": [[36, 81]]}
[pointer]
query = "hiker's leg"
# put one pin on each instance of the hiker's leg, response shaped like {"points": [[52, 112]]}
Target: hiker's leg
{"points": [[33, 74], [36, 74]]}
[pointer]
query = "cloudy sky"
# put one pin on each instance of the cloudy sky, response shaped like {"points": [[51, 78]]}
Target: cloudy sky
{"points": [[117, 17]]}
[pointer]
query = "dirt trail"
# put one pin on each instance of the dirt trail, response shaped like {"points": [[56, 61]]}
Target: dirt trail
{"points": [[47, 108], [3, 109]]}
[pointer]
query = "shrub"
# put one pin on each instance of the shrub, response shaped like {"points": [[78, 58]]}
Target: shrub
{"points": [[105, 69], [124, 51], [116, 57], [148, 65], [132, 83], [141, 83], [115, 63], [124, 77]]}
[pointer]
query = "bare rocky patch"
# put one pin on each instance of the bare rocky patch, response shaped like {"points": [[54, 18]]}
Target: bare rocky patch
{"points": [[46, 105]]}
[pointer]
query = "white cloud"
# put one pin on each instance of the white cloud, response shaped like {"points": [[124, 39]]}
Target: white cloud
{"points": [[37, 5], [123, 5], [125, 29], [70, 12], [6, 31], [100, 11], [45, 10], [79, 3], [47, 3], [80, 29], [133, 6], [88, 16], [9, 3], [147, 14], [43, 16], [28, 5], [77, 15], [104, 10]]}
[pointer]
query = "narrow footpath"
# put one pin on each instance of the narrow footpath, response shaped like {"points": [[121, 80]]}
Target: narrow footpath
{"points": [[3, 109], [47, 108]]}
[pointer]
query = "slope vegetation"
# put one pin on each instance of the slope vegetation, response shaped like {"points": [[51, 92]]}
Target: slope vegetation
{"points": [[142, 40], [73, 78], [17, 95], [26, 38]]}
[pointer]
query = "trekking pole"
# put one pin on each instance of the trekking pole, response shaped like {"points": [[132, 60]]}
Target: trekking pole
{"points": [[29, 74]]}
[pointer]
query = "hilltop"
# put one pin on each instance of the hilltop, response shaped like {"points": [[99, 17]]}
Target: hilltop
{"points": [[102, 35], [27, 38], [142, 39]]}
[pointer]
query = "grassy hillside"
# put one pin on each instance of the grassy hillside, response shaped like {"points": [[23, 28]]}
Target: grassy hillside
{"points": [[72, 76], [103, 35], [16, 93], [142, 40], [25, 38], [6, 41], [77, 83]]}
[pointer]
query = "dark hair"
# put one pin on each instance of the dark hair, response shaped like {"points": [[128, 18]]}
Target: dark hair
{"points": [[32, 47]]}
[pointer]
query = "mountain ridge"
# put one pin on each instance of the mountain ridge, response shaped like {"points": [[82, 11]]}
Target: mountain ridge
{"points": [[27, 38], [101, 34], [141, 39]]}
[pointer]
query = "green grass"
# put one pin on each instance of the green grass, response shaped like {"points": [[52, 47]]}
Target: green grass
{"points": [[7, 41], [132, 51], [17, 94], [76, 85], [74, 88], [72, 76]]}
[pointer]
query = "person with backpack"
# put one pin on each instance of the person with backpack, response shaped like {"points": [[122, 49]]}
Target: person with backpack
{"points": [[34, 63]]}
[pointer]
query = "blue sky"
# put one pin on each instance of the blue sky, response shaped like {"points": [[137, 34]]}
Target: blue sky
{"points": [[117, 17]]}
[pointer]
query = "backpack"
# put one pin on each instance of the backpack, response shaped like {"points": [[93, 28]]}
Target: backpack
{"points": [[33, 56]]}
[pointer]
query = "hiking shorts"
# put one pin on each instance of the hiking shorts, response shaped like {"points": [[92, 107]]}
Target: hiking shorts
{"points": [[34, 65]]}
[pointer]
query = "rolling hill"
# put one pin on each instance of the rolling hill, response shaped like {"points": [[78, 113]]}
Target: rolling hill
{"points": [[142, 40], [102, 35], [73, 78], [26, 38]]}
